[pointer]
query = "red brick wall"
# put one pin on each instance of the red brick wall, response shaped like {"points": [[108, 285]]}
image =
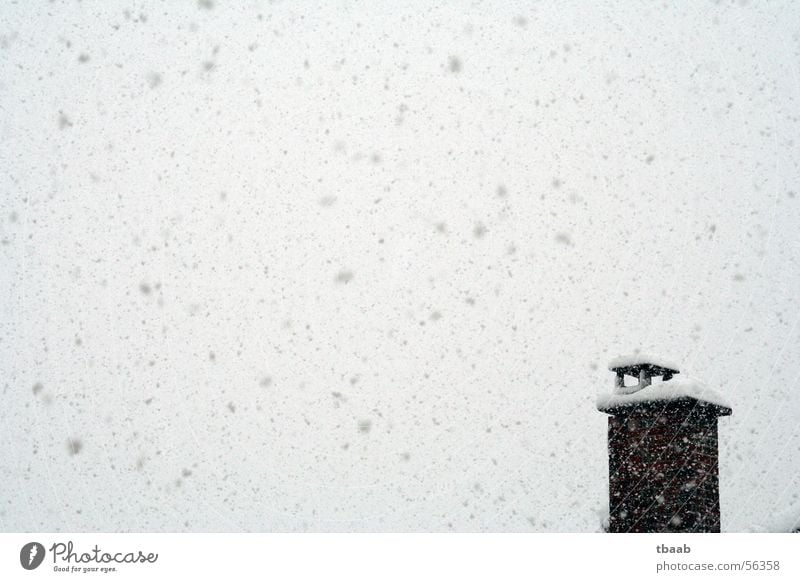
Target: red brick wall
{"points": [[663, 468]]}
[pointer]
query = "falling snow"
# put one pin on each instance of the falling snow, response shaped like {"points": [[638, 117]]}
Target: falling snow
{"points": [[283, 268]]}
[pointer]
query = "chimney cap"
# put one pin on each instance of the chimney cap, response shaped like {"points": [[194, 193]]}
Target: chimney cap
{"points": [[654, 365]]}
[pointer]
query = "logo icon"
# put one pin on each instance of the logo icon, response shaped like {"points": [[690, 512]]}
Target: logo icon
{"points": [[31, 555]]}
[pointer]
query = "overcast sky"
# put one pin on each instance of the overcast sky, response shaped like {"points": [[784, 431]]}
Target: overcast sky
{"points": [[285, 266]]}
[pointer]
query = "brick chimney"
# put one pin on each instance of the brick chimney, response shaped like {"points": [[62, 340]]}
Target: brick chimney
{"points": [[663, 455]]}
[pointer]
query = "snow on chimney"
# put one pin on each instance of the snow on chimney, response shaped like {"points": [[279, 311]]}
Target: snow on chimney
{"points": [[663, 455]]}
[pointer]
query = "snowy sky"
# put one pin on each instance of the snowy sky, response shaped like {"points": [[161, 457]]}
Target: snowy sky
{"points": [[285, 266]]}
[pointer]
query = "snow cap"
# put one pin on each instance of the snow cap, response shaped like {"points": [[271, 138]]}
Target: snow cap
{"points": [[639, 359], [685, 388]]}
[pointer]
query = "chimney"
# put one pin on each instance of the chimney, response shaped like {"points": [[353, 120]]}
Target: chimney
{"points": [[663, 455]]}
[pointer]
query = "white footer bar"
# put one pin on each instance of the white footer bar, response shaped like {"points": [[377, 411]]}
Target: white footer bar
{"points": [[387, 557]]}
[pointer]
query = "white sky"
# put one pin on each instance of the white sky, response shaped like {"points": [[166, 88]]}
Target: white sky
{"points": [[428, 228]]}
